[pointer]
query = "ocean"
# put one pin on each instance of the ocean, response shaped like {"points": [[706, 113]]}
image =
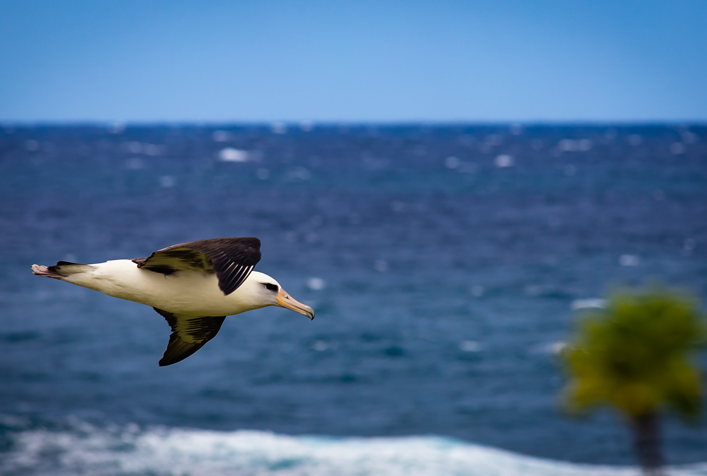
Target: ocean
{"points": [[446, 265]]}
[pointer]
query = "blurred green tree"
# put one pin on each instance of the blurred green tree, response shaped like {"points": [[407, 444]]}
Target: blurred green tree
{"points": [[637, 355]]}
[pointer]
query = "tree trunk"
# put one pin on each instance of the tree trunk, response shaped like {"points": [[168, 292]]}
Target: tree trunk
{"points": [[647, 443]]}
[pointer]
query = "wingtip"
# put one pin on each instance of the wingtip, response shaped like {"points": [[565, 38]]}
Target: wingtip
{"points": [[169, 360]]}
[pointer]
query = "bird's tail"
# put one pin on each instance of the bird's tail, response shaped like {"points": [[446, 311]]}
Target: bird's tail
{"points": [[61, 270]]}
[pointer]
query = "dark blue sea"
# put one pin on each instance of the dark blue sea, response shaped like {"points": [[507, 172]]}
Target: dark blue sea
{"points": [[446, 266]]}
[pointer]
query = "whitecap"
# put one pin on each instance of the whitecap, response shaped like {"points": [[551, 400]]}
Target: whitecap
{"points": [[552, 348], [587, 303], [584, 145], [152, 149], [629, 260], [452, 162], [221, 136], [677, 148], [229, 154], [320, 346], [89, 450], [298, 173], [316, 284], [555, 347], [567, 145], [116, 128], [32, 145], [278, 127], [470, 346], [168, 181], [504, 160]]}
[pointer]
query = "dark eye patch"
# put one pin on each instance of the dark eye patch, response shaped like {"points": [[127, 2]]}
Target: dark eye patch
{"points": [[270, 287]]}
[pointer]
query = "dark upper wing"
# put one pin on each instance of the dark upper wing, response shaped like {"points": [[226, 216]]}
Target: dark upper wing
{"points": [[189, 334], [231, 258]]}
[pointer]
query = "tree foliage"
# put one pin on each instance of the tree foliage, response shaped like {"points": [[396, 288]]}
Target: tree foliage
{"points": [[637, 355]]}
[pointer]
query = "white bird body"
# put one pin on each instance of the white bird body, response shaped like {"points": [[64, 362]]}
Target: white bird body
{"points": [[186, 292], [193, 285]]}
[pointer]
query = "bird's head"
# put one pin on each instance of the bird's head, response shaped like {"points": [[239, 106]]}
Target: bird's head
{"points": [[268, 292]]}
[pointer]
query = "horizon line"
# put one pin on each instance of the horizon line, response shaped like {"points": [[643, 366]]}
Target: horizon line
{"points": [[304, 124]]}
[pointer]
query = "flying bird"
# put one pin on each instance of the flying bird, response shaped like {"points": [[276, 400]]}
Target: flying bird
{"points": [[193, 285]]}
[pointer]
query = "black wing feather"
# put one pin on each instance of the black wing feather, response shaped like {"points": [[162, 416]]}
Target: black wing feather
{"points": [[232, 259], [189, 334]]}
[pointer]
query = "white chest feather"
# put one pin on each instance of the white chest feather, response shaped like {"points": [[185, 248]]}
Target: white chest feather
{"points": [[186, 292]]}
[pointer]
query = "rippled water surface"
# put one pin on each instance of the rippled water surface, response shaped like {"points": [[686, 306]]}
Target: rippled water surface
{"points": [[443, 264]]}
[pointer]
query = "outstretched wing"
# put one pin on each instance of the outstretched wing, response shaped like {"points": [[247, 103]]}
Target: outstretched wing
{"points": [[189, 334], [232, 259]]}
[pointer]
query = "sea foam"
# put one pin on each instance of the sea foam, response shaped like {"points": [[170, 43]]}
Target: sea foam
{"points": [[89, 450]]}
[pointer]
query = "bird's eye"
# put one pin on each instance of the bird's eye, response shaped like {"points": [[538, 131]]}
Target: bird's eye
{"points": [[270, 287]]}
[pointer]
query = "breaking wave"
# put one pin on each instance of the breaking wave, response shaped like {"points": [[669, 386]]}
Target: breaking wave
{"points": [[86, 449]]}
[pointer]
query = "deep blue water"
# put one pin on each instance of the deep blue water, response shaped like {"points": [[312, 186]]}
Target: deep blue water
{"points": [[443, 264]]}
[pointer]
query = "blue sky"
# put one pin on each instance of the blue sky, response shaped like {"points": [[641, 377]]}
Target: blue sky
{"points": [[353, 61]]}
